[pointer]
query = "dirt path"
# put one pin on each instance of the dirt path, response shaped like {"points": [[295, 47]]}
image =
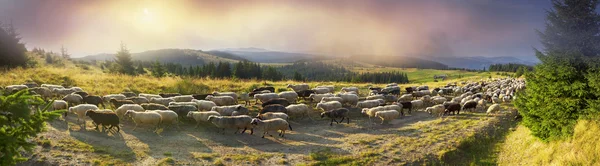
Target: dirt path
{"points": [[416, 138]]}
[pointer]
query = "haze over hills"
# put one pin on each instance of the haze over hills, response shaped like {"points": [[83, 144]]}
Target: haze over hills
{"points": [[185, 57], [267, 56], [479, 62]]}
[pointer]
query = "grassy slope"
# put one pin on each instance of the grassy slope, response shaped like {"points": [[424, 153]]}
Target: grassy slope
{"points": [[520, 148]]}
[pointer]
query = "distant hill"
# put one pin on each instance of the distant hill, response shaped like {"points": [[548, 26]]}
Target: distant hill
{"points": [[479, 62], [266, 56], [185, 57], [399, 61]]}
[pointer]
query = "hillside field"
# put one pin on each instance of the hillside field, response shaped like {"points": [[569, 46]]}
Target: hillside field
{"points": [[413, 139]]}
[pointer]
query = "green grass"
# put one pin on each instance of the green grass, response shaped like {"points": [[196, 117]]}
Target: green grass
{"points": [[166, 161], [204, 156], [253, 158]]}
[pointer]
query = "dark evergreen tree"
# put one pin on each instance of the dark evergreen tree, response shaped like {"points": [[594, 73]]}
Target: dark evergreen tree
{"points": [[158, 70], [140, 69], [560, 89], [49, 59], [12, 51], [123, 59]]}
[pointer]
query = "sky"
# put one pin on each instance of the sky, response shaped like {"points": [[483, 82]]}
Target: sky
{"points": [[332, 27]]}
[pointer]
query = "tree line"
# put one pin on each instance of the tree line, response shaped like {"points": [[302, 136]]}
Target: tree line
{"points": [[510, 67]]}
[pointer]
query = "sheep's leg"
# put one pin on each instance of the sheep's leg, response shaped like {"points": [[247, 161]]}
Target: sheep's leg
{"points": [[342, 120], [134, 127], [244, 131], [197, 124], [263, 136], [348, 120]]}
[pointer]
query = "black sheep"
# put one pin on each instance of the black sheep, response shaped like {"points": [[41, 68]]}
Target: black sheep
{"points": [[451, 108], [305, 93], [118, 103], [406, 105], [129, 94], [469, 105], [280, 101], [273, 108], [82, 94], [200, 96], [336, 113], [409, 90], [104, 118], [378, 89], [167, 95], [95, 100], [260, 89], [395, 92]]}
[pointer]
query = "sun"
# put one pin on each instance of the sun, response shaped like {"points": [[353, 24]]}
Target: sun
{"points": [[147, 15]]}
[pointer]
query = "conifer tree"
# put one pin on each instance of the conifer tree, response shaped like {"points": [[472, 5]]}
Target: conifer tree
{"points": [[123, 59]]}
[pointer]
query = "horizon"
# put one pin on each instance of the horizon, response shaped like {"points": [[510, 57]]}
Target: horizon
{"points": [[435, 28]]}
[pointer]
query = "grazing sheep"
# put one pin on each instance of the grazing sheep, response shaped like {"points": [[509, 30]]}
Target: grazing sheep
{"points": [[204, 105], [118, 103], [495, 100], [406, 105], [495, 108], [52, 87], [336, 113], [299, 87], [264, 97], [481, 104], [291, 96], [387, 115], [162, 101], [436, 110], [232, 94], [276, 124], [370, 112], [232, 110], [82, 93], [59, 105], [368, 104], [452, 107], [139, 100], [95, 100], [350, 89], [268, 88], [129, 94], [80, 110], [272, 115], [235, 122], [104, 118], [31, 84], [113, 96], [395, 106], [201, 116], [390, 98], [73, 99], [201, 96], [469, 105], [321, 90], [62, 92], [351, 99], [329, 105], [149, 96], [168, 117], [139, 118], [375, 97], [330, 87], [319, 97], [168, 95], [417, 104], [439, 100], [328, 99], [42, 91], [273, 108], [405, 98], [305, 93], [184, 98], [280, 101], [76, 89], [121, 110], [182, 110], [184, 103], [15, 88], [153, 106], [222, 100], [245, 97], [298, 109]]}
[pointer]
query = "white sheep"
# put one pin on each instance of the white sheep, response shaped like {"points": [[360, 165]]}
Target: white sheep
{"points": [[321, 90], [298, 87], [350, 89], [328, 99], [330, 87], [264, 97], [231, 110], [62, 91], [276, 124], [290, 96], [235, 122], [298, 109], [139, 100], [168, 117], [80, 110], [114, 96], [439, 100], [182, 98], [495, 100], [232, 94], [245, 97], [15, 88], [375, 97], [201, 116], [417, 104], [351, 99], [59, 105], [327, 106], [204, 105], [152, 118], [436, 110], [405, 98], [162, 101], [52, 87], [368, 104], [495, 108], [149, 96], [126, 107], [222, 100], [370, 112], [319, 97], [387, 115], [183, 103], [76, 89], [272, 115]]}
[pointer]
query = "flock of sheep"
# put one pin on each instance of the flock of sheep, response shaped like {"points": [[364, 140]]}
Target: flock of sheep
{"points": [[223, 111]]}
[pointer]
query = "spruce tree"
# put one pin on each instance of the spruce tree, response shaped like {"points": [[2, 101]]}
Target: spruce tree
{"points": [[123, 59], [12, 51], [559, 89], [64, 53], [140, 69], [158, 70]]}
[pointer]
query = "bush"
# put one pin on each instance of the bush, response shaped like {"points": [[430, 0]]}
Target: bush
{"points": [[18, 125]]}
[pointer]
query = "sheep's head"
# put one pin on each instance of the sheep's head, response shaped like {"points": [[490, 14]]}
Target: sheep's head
{"points": [[323, 114], [129, 112], [364, 110], [259, 116], [289, 86], [209, 97], [255, 121], [210, 118], [215, 93], [189, 114]]}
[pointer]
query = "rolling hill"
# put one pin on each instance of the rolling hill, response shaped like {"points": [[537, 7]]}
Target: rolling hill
{"points": [[266, 56], [479, 62], [185, 57]]}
